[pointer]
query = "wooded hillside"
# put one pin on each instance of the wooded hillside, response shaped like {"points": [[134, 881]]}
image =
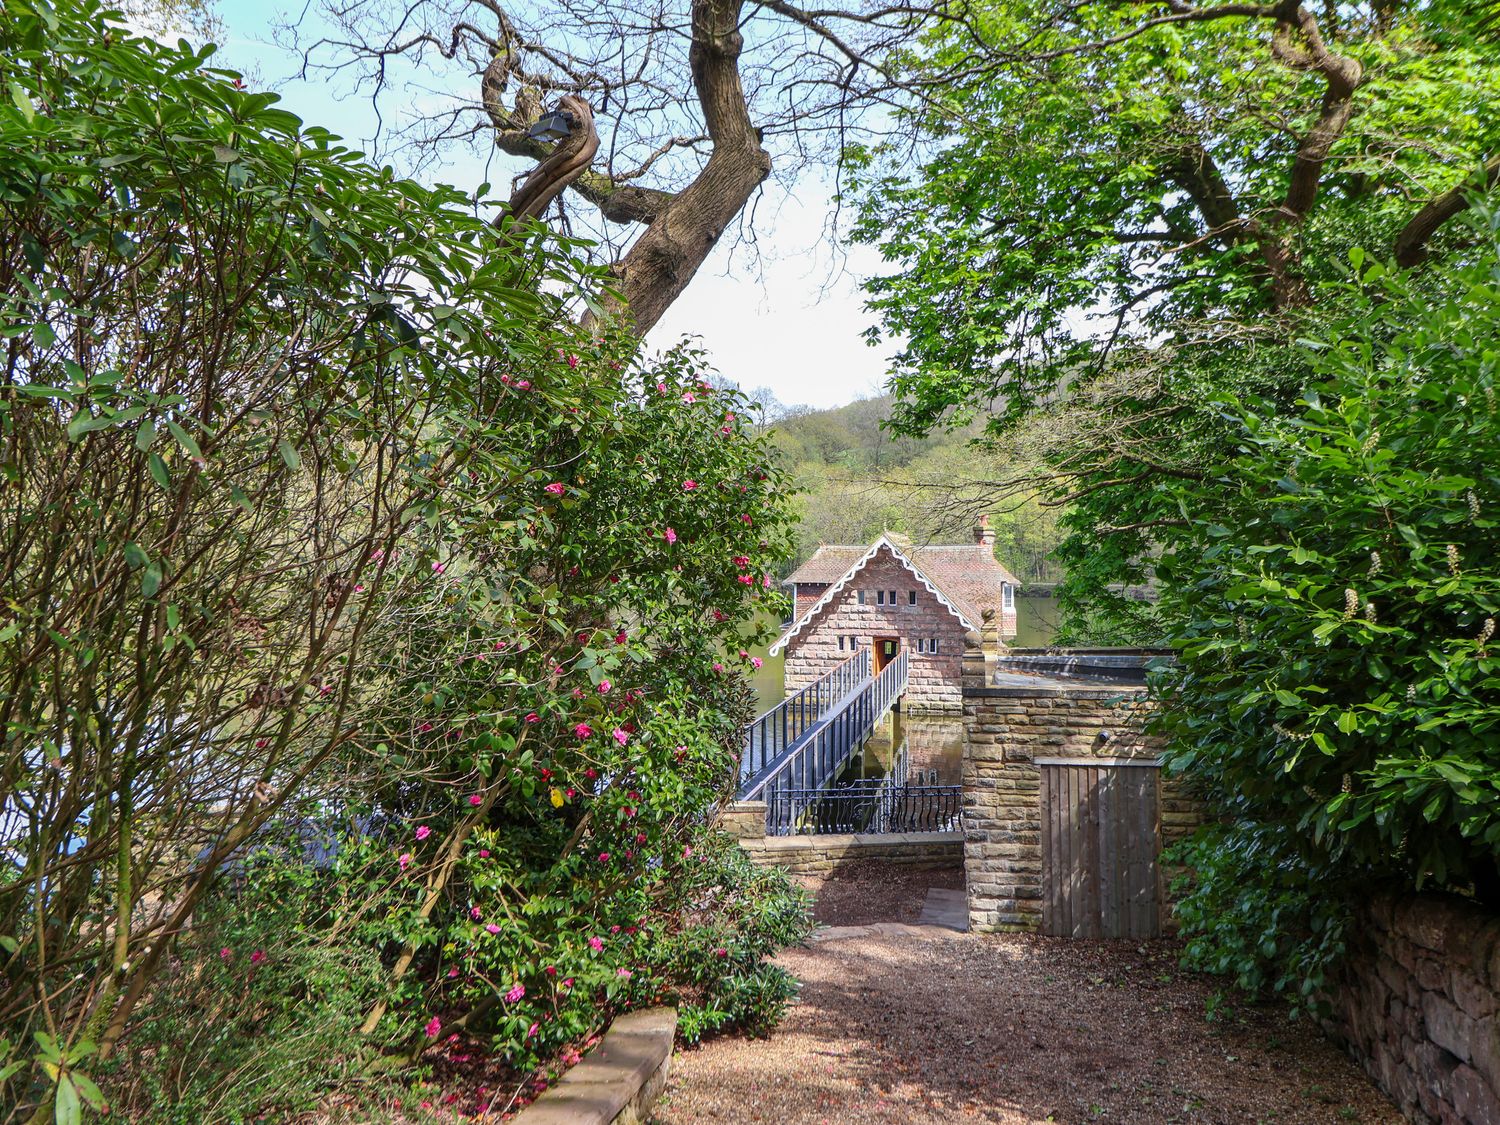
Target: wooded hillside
{"points": [[857, 479]]}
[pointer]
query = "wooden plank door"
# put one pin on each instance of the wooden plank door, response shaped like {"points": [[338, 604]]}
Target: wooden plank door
{"points": [[1101, 842]]}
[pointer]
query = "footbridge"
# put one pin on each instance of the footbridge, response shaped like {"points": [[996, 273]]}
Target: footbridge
{"points": [[803, 742]]}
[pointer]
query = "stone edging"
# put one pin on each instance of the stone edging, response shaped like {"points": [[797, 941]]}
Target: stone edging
{"points": [[617, 1082]]}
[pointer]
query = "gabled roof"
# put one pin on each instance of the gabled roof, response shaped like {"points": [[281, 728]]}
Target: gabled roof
{"points": [[965, 578]]}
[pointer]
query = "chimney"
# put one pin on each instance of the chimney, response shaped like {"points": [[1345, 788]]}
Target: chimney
{"points": [[984, 534]]}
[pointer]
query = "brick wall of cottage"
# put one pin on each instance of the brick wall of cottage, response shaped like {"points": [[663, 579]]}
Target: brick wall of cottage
{"points": [[1418, 1005], [1005, 730], [934, 677]]}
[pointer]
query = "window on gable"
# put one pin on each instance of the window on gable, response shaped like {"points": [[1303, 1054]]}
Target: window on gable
{"points": [[932, 644], [1008, 596], [893, 597], [911, 597], [880, 597], [841, 642], [921, 645], [861, 597]]}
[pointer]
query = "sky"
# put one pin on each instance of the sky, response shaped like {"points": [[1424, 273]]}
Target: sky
{"points": [[787, 315]]}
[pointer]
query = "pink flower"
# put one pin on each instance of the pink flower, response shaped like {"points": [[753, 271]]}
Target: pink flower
{"points": [[515, 994], [640, 837], [583, 730], [766, 581], [603, 857], [746, 519], [226, 953], [687, 851], [567, 984], [590, 773], [453, 972], [557, 488], [423, 832], [596, 944], [404, 860], [721, 952], [475, 913], [257, 957], [484, 853], [572, 361], [438, 568], [661, 388], [624, 973], [670, 535], [604, 686], [491, 928], [747, 578], [524, 384], [688, 396], [742, 561], [622, 736], [476, 800], [756, 661], [424, 728], [530, 1034], [718, 667], [434, 1027], [533, 717], [689, 485]]}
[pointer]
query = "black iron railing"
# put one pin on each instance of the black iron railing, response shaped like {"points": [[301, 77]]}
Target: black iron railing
{"points": [[872, 807], [768, 736], [816, 757]]}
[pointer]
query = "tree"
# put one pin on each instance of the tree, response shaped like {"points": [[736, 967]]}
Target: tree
{"points": [[321, 516], [1137, 206], [680, 111]]}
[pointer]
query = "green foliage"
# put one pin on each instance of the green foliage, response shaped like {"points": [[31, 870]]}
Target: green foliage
{"points": [[1334, 597], [856, 478], [1253, 910], [1087, 251], [320, 510], [1334, 594]]}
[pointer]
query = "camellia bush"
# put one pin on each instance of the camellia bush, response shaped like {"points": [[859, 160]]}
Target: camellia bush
{"points": [[1336, 595], [370, 635]]}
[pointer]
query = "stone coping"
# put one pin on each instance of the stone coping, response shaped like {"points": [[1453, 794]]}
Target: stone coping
{"points": [[618, 1081], [1054, 688], [856, 840]]}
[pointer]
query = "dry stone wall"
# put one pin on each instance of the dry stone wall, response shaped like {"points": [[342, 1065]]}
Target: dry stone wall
{"points": [[1419, 1007]]}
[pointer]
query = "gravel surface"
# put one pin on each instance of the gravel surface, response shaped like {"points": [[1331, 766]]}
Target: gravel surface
{"points": [[868, 892], [913, 1025]]}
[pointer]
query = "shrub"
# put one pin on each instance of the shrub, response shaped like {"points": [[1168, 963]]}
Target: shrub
{"points": [[1334, 599]]}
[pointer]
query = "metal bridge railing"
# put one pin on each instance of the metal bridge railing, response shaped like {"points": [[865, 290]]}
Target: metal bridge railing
{"points": [[769, 735], [816, 759], [870, 807]]}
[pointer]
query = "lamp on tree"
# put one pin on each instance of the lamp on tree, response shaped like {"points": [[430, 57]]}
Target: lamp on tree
{"points": [[555, 125]]}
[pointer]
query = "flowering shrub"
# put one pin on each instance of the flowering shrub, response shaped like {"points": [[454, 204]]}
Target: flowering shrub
{"points": [[321, 510]]}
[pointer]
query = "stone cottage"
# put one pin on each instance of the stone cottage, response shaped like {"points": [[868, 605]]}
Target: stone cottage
{"points": [[892, 596]]}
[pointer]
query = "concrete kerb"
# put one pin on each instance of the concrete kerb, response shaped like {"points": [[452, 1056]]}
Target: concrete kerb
{"points": [[617, 1082]]}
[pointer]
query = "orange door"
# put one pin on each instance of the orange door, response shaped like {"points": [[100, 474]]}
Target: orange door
{"points": [[885, 651]]}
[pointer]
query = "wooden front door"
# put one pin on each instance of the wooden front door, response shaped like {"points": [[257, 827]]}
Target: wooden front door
{"points": [[885, 651], [1101, 841]]}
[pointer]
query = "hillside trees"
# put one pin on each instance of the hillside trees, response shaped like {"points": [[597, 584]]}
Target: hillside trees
{"points": [[322, 521]]}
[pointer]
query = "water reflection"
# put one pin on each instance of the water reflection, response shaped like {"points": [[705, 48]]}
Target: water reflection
{"points": [[933, 744]]}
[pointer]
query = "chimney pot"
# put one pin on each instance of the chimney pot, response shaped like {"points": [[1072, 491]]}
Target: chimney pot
{"points": [[984, 534]]}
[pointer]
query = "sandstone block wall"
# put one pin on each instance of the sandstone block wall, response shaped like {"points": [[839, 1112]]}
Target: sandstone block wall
{"points": [[1418, 1005], [934, 677], [1005, 730], [820, 855]]}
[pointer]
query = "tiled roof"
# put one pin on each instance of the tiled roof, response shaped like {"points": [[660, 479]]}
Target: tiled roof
{"points": [[827, 564], [965, 577]]}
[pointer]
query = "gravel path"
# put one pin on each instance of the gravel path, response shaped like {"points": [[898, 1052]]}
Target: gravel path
{"points": [[913, 1025]]}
